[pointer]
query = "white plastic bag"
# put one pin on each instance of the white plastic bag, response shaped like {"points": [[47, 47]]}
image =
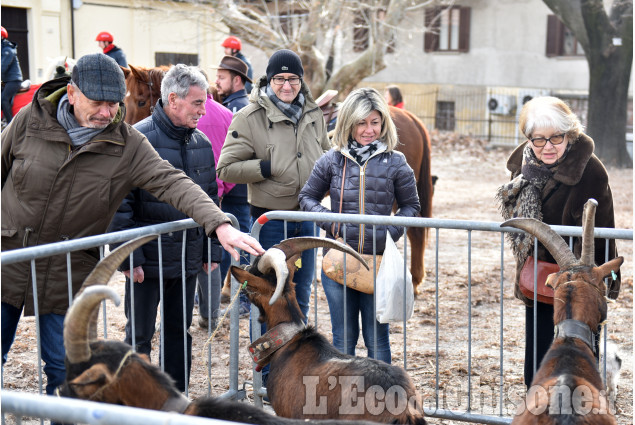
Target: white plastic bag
{"points": [[391, 286]]}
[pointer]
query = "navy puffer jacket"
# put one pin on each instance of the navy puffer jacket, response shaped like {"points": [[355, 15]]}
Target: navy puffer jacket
{"points": [[187, 149], [387, 178]]}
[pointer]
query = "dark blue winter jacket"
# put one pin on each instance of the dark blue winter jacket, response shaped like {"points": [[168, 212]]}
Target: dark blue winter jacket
{"points": [[236, 101], [10, 65], [187, 149], [386, 179]]}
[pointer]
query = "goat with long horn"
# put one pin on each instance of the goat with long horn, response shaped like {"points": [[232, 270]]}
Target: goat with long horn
{"points": [[309, 377], [110, 372], [568, 387]]}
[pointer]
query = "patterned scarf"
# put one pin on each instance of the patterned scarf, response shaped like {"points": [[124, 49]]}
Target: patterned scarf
{"points": [[78, 134], [360, 152], [522, 197], [292, 110]]}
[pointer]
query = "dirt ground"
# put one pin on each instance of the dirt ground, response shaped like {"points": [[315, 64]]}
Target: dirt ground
{"points": [[469, 173]]}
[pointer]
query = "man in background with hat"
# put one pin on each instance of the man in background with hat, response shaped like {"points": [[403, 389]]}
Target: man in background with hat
{"points": [[68, 161], [231, 77], [272, 145], [105, 40]]}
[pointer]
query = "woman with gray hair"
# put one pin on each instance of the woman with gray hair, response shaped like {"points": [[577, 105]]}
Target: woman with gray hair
{"points": [[365, 175], [553, 173]]}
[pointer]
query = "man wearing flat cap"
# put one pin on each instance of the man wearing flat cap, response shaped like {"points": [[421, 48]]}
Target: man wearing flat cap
{"points": [[68, 161], [272, 145]]}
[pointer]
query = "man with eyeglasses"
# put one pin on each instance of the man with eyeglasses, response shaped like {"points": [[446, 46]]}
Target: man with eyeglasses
{"points": [[272, 145]]}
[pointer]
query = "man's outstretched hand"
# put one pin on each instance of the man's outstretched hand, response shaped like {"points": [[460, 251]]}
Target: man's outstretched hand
{"points": [[233, 240]]}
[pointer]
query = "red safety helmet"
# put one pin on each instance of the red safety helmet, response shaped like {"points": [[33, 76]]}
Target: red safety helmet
{"points": [[232, 42], [5, 34], [104, 36]]}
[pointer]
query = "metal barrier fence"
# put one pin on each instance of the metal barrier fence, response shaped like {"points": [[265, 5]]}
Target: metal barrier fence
{"points": [[435, 410], [434, 407]]}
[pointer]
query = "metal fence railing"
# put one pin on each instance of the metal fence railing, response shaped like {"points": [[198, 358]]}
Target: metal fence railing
{"points": [[435, 408]]}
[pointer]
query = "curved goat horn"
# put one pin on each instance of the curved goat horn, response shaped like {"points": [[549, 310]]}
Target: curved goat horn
{"points": [[587, 257], [76, 322], [292, 246], [104, 270], [276, 260], [556, 246]]}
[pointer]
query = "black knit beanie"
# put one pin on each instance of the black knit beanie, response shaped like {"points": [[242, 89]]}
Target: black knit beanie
{"points": [[284, 61]]}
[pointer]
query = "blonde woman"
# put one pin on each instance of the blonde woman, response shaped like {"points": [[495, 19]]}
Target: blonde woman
{"points": [[376, 176]]}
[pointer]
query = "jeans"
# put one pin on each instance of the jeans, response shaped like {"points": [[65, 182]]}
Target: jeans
{"points": [[8, 93], [271, 234], [146, 301], [240, 210], [356, 303], [52, 342], [203, 291]]}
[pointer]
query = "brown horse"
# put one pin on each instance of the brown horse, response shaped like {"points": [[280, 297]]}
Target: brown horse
{"points": [[414, 143], [144, 89]]}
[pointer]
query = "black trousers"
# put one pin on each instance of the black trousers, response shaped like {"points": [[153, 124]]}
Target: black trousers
{"points": [[544, 328], [146, 302]]}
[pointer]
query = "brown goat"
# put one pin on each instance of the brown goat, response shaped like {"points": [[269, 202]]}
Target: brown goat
{"points": [[110, 372], [309, 377], [113, 373], [568, 387]]}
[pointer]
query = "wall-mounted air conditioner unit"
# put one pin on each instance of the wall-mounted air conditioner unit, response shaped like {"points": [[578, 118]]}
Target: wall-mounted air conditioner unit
{"points": [[501, 104]]}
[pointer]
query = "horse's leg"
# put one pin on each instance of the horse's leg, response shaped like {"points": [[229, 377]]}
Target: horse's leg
{"points": [[417, 237]]}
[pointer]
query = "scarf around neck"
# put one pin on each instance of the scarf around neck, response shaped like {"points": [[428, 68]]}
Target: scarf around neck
{"points": [[522, 197], [292, 110], [361, 153], [78, 134]]}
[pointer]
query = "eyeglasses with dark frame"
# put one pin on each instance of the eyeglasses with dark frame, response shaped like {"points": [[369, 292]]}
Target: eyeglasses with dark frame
{"points": [[556, 139], [279, 81]]}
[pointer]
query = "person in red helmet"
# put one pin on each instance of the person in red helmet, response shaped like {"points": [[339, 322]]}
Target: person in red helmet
{"points": [[232, 47], [11, 74], [105, 40]]}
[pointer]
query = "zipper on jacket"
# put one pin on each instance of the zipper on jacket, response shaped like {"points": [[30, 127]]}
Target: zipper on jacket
{"points": [[27, 232]]}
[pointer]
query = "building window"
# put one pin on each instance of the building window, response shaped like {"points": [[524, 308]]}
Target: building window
{"points": [[444, 119], [560, 39], [447, 29], [168, 58]]}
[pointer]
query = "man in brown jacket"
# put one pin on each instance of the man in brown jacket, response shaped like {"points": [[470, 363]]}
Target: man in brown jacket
{"points": [[68, 161]]}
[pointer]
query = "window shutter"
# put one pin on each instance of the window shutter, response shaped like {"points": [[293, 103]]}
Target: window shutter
{"points": [[464, 29], [554, 36], [431, 36]]}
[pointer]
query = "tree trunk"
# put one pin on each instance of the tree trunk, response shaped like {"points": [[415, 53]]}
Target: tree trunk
{"points": [[610, 62], [608, 97]]}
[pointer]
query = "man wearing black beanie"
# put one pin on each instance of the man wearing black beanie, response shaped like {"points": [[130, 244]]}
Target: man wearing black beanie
{"points": [[272, 145]]}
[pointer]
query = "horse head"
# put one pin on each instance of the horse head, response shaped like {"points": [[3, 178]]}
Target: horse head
{"points": [[143, 91]]}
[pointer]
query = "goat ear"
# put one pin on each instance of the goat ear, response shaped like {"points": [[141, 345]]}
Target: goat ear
{"points": [[606, 269], [553, 277], [91, 380]]}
